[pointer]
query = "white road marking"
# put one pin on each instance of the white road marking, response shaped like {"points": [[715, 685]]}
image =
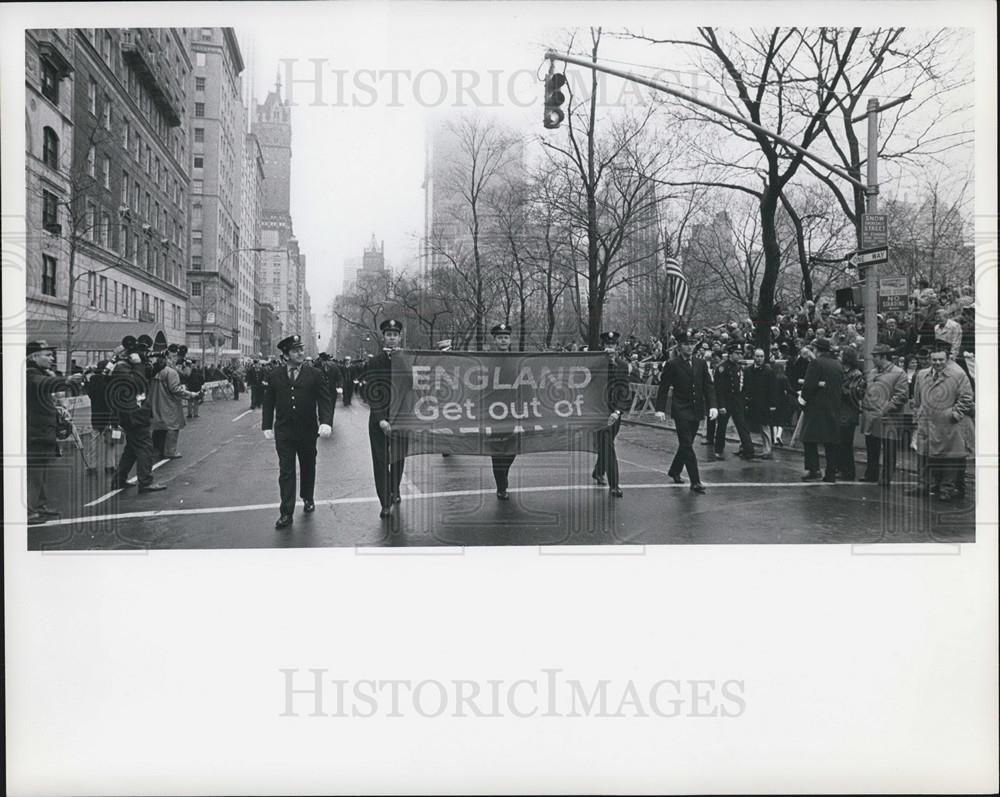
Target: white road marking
{"points": [[214, 510], [407, 484], [113, 493], [234, 420]]}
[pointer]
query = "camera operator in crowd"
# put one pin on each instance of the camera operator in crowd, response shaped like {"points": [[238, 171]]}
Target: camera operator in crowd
{"points": [[128, 390]]}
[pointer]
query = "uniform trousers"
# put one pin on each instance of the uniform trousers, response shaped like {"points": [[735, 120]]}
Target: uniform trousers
{"points": [[165, 442], [255, 401], [607, 457], [739, 421], [501, 470], [686, 427], [388, 459], [138, 448], [348, 392], [288, 450], [845, 452]]}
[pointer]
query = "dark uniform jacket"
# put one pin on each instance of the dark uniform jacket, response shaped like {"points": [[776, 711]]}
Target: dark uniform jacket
{"points": [[618, 386], [377, 387], [820, 417], [895, 340], [127, 382], [694, 392], [729, 385], [292, 409]]}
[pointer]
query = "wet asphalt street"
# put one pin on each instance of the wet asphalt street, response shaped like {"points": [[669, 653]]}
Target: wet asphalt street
{"points": [[223, 493]]}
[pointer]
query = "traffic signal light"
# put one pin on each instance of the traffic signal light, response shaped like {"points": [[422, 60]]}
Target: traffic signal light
{"points": [[554, 98]]}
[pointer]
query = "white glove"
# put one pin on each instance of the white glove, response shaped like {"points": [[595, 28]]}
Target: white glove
{"points": [[802, 401], [269, 434], [325, 430], [384, 426], [713, 413], [822, 384], [661, 417], [614, 416]]}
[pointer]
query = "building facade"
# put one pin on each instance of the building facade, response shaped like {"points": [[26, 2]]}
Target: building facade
{"points": [[217, 136], [248, 293], [108, 184]]}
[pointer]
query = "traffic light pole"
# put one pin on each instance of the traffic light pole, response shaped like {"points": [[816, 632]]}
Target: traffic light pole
{"points": [[871, 206]]}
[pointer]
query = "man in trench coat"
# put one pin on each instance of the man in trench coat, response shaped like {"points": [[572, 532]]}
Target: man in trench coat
{"points": [[820, 400]]}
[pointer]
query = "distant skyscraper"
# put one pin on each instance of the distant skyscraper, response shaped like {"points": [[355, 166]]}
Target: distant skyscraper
{"points": [[216, 122]]}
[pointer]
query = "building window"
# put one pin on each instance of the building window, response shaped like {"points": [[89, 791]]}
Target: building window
{"points": [[199, 109], [135, 304], [92, 161], [197, 186], [107, 112], [199, 162], [124, 301], [50, 148], [48, 275], [195, 289], [122, 240], [106, 48], [124, 197], [199, 135], [196, 262], [50, 82], [106, 172], [199, 84], [105, 231], [199, 59], [126, 134], [92, 288], [92, 221], [206, 34], [92, 96], [50, 209], [145, 302], [104, 294]]}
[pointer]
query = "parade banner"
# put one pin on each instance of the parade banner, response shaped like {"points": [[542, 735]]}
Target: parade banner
{"points": [[498, 403]]}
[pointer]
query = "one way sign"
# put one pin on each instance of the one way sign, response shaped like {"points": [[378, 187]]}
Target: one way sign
{"points": [[868, 257]]}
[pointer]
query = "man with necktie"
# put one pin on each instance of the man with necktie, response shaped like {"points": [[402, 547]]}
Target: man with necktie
{"points": [[501, 462], [618, 402], [388, 455], [297, 407], [691, 380]]}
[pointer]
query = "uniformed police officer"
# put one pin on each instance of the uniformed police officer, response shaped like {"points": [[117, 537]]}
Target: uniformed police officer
{"points": [[296, 408], [694, 390], [127, 390], [388, 455], [501, 462], [350, 372], [618, 402]]}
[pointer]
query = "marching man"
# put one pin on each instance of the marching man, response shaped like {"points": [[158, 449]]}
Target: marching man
{"points": [[297, 407]]}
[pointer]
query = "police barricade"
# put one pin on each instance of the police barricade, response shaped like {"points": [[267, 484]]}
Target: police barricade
{"points": [[643, 394], [218, 390]]}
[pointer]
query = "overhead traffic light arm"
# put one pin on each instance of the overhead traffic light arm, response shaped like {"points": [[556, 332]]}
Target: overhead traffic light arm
{"points": [[554, 56]]}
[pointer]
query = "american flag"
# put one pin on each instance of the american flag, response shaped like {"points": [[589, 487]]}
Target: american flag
{"points": [[677, 284]]}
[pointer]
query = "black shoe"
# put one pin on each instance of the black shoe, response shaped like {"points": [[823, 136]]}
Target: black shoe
{"points": [[283, 522], [175, 456], [385, 512], [599, 479], [49, 512], [152, 488], [308, 505], [396, 498], [120, 485], [812, 476], [779, 443], [37, 519], [616, 492], [698, 488], [677, 479], [830, 479], [502, 495], [866, 479]]}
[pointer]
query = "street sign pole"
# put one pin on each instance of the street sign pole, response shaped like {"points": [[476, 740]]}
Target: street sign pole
{"points": [[871, 206]]}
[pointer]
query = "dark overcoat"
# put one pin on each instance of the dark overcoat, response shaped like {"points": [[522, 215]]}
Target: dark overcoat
{"points": [[820, 416]]}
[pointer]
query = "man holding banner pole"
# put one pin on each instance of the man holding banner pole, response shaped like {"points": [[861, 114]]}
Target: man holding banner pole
{"points": [[501, 462], [618, 402], [388, 455]]}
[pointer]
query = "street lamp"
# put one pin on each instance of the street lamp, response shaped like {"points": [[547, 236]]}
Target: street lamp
{"points": [[223, 259]]}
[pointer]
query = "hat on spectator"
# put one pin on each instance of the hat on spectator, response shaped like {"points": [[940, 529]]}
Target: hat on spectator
{"points": [[324, 355], [291, 342], [823, 344], [391, 325], [681, 336], [36, 346], [503, 328], [610, 337]]}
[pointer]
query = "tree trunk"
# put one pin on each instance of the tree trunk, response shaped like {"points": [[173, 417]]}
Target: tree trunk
{"points": [[69, 304], [772, 265]]}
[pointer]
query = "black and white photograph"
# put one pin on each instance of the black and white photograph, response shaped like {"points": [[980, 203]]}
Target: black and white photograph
{"points": [[492, 327]]}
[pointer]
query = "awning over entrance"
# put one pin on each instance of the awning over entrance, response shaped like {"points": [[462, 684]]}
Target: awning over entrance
{"points": [[92, 336]]}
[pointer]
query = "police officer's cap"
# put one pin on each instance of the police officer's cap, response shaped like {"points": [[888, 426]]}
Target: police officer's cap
{"points": [[324, 355], [503, 328], [145, 340], [610, 337], [391, 325], [681, 336], [173, 348], [291, 342]]}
